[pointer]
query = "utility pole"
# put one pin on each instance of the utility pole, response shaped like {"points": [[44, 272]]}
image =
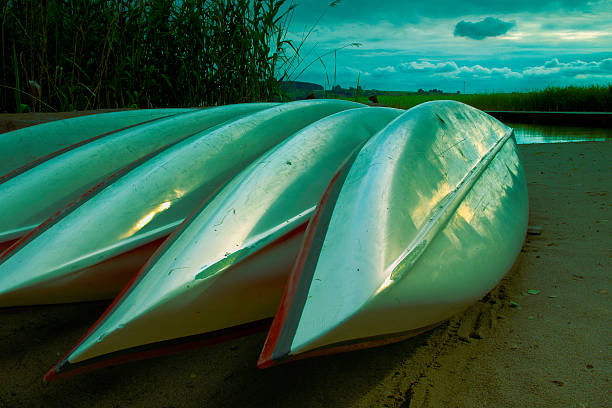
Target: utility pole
{"points": [[335, 67], [463, 86], [334, 87]]}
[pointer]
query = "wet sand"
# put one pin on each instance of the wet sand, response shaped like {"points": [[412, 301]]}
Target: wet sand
{"points": [[541, 338]]}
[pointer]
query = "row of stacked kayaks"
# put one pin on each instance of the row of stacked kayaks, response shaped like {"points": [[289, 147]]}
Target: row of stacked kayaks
{"points": [[356, 225]]}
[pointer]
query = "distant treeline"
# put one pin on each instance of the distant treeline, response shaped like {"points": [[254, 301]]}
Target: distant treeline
{"points": [[596, 98], [87, 54]]}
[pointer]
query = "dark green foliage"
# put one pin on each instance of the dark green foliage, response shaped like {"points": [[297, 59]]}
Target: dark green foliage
{"points": [[87, 54]]}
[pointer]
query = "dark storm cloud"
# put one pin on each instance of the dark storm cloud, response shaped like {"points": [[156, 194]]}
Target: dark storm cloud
{"points": [[489, 27]]}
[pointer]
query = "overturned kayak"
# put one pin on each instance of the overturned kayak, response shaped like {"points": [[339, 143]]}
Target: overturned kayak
{"points": [[126, 220], [427, 218], [223, 272], [34, 193], [23, 146]]}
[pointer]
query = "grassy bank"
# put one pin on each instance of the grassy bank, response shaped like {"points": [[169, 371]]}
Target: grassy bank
{"points": [[89, 54], [566, 99]]}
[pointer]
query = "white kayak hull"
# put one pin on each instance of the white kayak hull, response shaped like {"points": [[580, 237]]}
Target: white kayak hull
{"points": [[37, 191], [428, 218], [139, 206], [227, 265]]}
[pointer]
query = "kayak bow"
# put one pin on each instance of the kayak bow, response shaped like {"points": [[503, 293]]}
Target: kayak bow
{"points": [[426, 220]]}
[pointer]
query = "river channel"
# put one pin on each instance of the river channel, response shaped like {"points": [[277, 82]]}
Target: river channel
{"points": [[529, 133]]}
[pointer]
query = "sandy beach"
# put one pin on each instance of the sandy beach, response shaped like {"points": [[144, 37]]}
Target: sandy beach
{"points": [[541, 338]]}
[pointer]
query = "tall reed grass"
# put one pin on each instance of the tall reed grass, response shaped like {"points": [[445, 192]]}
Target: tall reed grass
{"points": [[87, 54]]}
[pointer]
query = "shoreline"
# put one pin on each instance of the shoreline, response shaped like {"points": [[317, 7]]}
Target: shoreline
{"points": [[542, 337]]}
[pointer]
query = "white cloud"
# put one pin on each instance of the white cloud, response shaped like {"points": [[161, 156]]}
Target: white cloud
{"points": [[552, 68], [389, 69], [427, 66], [478, 71], [572, 69], [451, 69], [358, 71], [417, 66]]}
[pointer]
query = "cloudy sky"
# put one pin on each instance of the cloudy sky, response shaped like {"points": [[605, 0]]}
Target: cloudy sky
{"points": [[484, 45]]}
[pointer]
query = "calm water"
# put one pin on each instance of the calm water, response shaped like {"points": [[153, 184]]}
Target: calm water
{"points": [[526, 134]]}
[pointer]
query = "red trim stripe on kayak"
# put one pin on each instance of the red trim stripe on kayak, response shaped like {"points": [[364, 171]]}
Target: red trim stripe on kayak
{"points": [[284, 325], [66, 369]]}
